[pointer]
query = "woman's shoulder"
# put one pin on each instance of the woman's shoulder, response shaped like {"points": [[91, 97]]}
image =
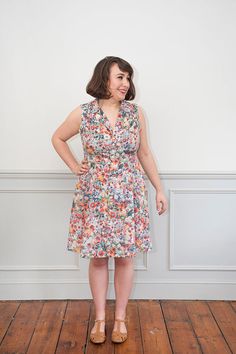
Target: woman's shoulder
{"points": [[84, 107], [86, 104], [137, 112], [132, 106], [136, 106]]}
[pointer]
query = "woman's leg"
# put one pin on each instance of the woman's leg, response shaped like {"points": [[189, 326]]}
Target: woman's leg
{"points": [[123, 279], [98, 279]]}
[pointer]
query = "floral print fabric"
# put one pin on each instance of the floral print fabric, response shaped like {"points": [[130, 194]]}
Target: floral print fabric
{"points": [[109, 214]]}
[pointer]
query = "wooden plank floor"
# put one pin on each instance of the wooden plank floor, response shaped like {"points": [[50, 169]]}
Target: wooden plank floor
{"points": [[164, 326]]}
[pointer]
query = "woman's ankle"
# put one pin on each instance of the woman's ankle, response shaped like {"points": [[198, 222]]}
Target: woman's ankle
{"points": [[120, 315], [100, 317]]}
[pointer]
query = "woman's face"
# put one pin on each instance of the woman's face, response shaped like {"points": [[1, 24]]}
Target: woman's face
{"points": [[118, 83]]}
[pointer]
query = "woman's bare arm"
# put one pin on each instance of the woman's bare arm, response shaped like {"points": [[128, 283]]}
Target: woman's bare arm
{"points": [[145, 155], [65, 131]]}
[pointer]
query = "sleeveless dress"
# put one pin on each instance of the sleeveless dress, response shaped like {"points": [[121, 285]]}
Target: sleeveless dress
{"points": [[109, 214]]}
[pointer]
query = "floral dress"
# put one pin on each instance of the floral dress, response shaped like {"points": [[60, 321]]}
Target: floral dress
{"points": [[109, 214]]}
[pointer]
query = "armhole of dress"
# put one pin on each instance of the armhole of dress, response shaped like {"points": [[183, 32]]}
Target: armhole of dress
{"points": [[82, 106], [137, 116]]}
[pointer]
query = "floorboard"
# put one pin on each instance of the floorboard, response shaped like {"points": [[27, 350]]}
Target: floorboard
{"points": [[154, 327]]}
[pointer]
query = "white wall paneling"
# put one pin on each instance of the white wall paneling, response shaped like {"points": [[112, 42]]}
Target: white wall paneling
{"points": [[193, 254]]}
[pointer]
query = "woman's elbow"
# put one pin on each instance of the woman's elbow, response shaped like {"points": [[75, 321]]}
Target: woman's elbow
{"points": [[54, 139], [143, 153]]}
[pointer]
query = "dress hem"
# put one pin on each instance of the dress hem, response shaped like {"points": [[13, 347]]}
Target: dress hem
{"points": [[110, 256]]}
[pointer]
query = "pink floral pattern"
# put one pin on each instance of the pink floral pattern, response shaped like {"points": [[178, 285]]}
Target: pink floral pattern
{"points": [[109, 214]]}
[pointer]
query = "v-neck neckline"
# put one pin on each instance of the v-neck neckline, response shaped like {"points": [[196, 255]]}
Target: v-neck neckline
{"points": [[107, 119]]}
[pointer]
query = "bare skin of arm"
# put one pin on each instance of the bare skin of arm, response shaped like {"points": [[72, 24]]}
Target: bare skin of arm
{"points": [[147, 161], [65, 131]]}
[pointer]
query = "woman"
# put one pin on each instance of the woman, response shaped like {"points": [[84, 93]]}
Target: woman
{"points": [[109, 215]]}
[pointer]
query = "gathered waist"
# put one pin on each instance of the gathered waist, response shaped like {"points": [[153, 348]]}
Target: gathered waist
{"points": [[114, 156], [113, 162]]}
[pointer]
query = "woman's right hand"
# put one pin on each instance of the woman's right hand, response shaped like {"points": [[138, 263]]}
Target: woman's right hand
{"points": [[81, 168]]}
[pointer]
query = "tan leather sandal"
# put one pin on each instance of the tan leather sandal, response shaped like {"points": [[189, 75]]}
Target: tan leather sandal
{"points": [[98, 336], [118, 336]]}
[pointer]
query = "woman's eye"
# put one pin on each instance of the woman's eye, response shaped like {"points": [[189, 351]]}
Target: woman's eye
{"points": [[120, 77]]}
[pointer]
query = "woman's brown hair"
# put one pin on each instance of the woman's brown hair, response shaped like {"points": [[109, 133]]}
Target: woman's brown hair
{"points": [[97, 86]]}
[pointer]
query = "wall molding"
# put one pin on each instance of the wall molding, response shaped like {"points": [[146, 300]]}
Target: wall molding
{"points": [[76, 267], [38, 267], [52, 174], [84, 281], [172, 193]]}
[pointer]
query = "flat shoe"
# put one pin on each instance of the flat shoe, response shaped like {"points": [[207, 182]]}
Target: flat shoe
{"points": [[98, 336], [118, 336]]}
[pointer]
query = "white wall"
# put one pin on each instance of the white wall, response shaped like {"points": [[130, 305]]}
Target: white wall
{"points": [[183, 54]]}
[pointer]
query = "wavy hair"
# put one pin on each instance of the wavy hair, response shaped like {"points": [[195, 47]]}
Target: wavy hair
{"points": [[97, 86]]}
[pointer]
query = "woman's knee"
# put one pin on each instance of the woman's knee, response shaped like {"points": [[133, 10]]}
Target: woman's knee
{"points": [[124, 260], [99, 262]]}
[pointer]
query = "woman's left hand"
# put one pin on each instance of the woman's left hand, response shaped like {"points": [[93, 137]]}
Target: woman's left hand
{"points": [[161, 202]]}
